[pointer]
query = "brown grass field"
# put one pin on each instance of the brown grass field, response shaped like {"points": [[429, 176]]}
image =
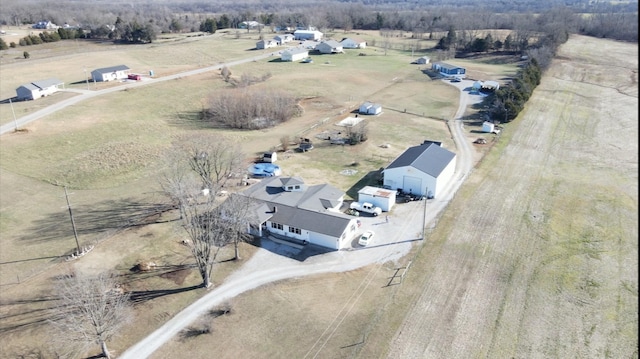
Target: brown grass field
{"points": [[535, 257]]}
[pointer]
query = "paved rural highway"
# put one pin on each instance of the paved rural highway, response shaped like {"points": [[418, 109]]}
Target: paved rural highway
{"points": [[273, 261], [87, 94]]}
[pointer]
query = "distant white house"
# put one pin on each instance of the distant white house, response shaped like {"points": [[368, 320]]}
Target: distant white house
{"points": [[353, 43], [110, 73], [265, 44], [283, 39], [329, 47], [37, 89], [421, 170], [45, 25], [307, 35], [249, 25], [294, 54], [369, 108]]}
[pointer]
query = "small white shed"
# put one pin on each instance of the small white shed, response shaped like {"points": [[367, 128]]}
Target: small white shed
{"points": [[270, 157], [488, 127], [381, 197], [369, 108]]}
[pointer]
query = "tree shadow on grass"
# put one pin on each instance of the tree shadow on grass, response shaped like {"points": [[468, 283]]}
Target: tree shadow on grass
{"points": [[106, 218], [372, 178]]}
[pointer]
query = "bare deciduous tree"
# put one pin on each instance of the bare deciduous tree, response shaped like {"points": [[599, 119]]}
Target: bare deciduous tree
{"points": [[92, 311], [210, 163]]}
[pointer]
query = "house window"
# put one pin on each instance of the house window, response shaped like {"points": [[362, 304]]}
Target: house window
{"points": [[276, 225], [295, 230], [353, 227], [297, 187]]}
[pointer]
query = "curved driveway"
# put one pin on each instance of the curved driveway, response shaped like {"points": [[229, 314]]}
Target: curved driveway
{"points": [[392, 241], [273, 262]]}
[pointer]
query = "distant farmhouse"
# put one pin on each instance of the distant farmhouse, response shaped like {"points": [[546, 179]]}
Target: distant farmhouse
{"points": [[37, 89], [110, 73], [329, 47], [353, 43], [307, 35], [421, 170], [265, 44], [286, 208], [294, 54], [448, 70], [283, 39], [249, 25], [45, 25]]}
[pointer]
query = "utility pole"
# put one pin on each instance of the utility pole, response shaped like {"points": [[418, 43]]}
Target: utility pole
{"points": [[15, 121], [424, 215], [73, 223], [86, 78]]}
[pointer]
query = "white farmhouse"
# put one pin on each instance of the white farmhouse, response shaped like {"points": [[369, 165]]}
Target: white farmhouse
{"points": [[353, 43], [294, 54], [37, 89], [287, 209], [110, 73], [422, 170], [265, 44], [283, 38], [329, 47]]}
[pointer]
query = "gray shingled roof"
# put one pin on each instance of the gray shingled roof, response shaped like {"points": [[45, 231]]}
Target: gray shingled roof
{"points": [[105, 70], [428, 158], [47, 83], [301, 209]]}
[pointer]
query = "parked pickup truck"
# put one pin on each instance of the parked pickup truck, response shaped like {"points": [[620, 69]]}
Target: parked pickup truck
{"points": [[366, 207]]}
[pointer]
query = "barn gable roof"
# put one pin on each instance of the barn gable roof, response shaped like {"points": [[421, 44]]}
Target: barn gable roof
{"points": [[429, 158]]}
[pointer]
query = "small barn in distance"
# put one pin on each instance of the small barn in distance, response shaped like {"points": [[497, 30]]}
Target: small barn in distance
{"points": [[294, 54], [307, 35], [110, 73], [265, 44], [422, 60], [369, 108], [329, 47], [353, 43], [37, 89]]}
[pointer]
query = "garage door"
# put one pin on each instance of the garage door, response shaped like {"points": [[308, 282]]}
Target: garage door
{"points": [[412, 185]]}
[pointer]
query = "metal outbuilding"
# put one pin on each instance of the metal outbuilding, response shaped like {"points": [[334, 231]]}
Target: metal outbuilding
{"points": [[380, 197]]}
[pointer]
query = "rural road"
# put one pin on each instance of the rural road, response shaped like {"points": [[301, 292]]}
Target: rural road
{"points": [[273, 261], [87, 94]]}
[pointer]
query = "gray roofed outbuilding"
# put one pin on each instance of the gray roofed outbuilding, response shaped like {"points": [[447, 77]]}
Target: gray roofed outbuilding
{"points": [[429, 158]]}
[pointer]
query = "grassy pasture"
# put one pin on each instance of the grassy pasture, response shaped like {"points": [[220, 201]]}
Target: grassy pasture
{"points": [[109, 151]]}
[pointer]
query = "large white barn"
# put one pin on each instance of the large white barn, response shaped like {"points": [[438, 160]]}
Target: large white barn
{"points": [[37, 89], [422, 170]]}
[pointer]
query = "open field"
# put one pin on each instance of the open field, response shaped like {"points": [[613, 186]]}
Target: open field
{"points": [[536, 256], [110, 156], [110, 150]]}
